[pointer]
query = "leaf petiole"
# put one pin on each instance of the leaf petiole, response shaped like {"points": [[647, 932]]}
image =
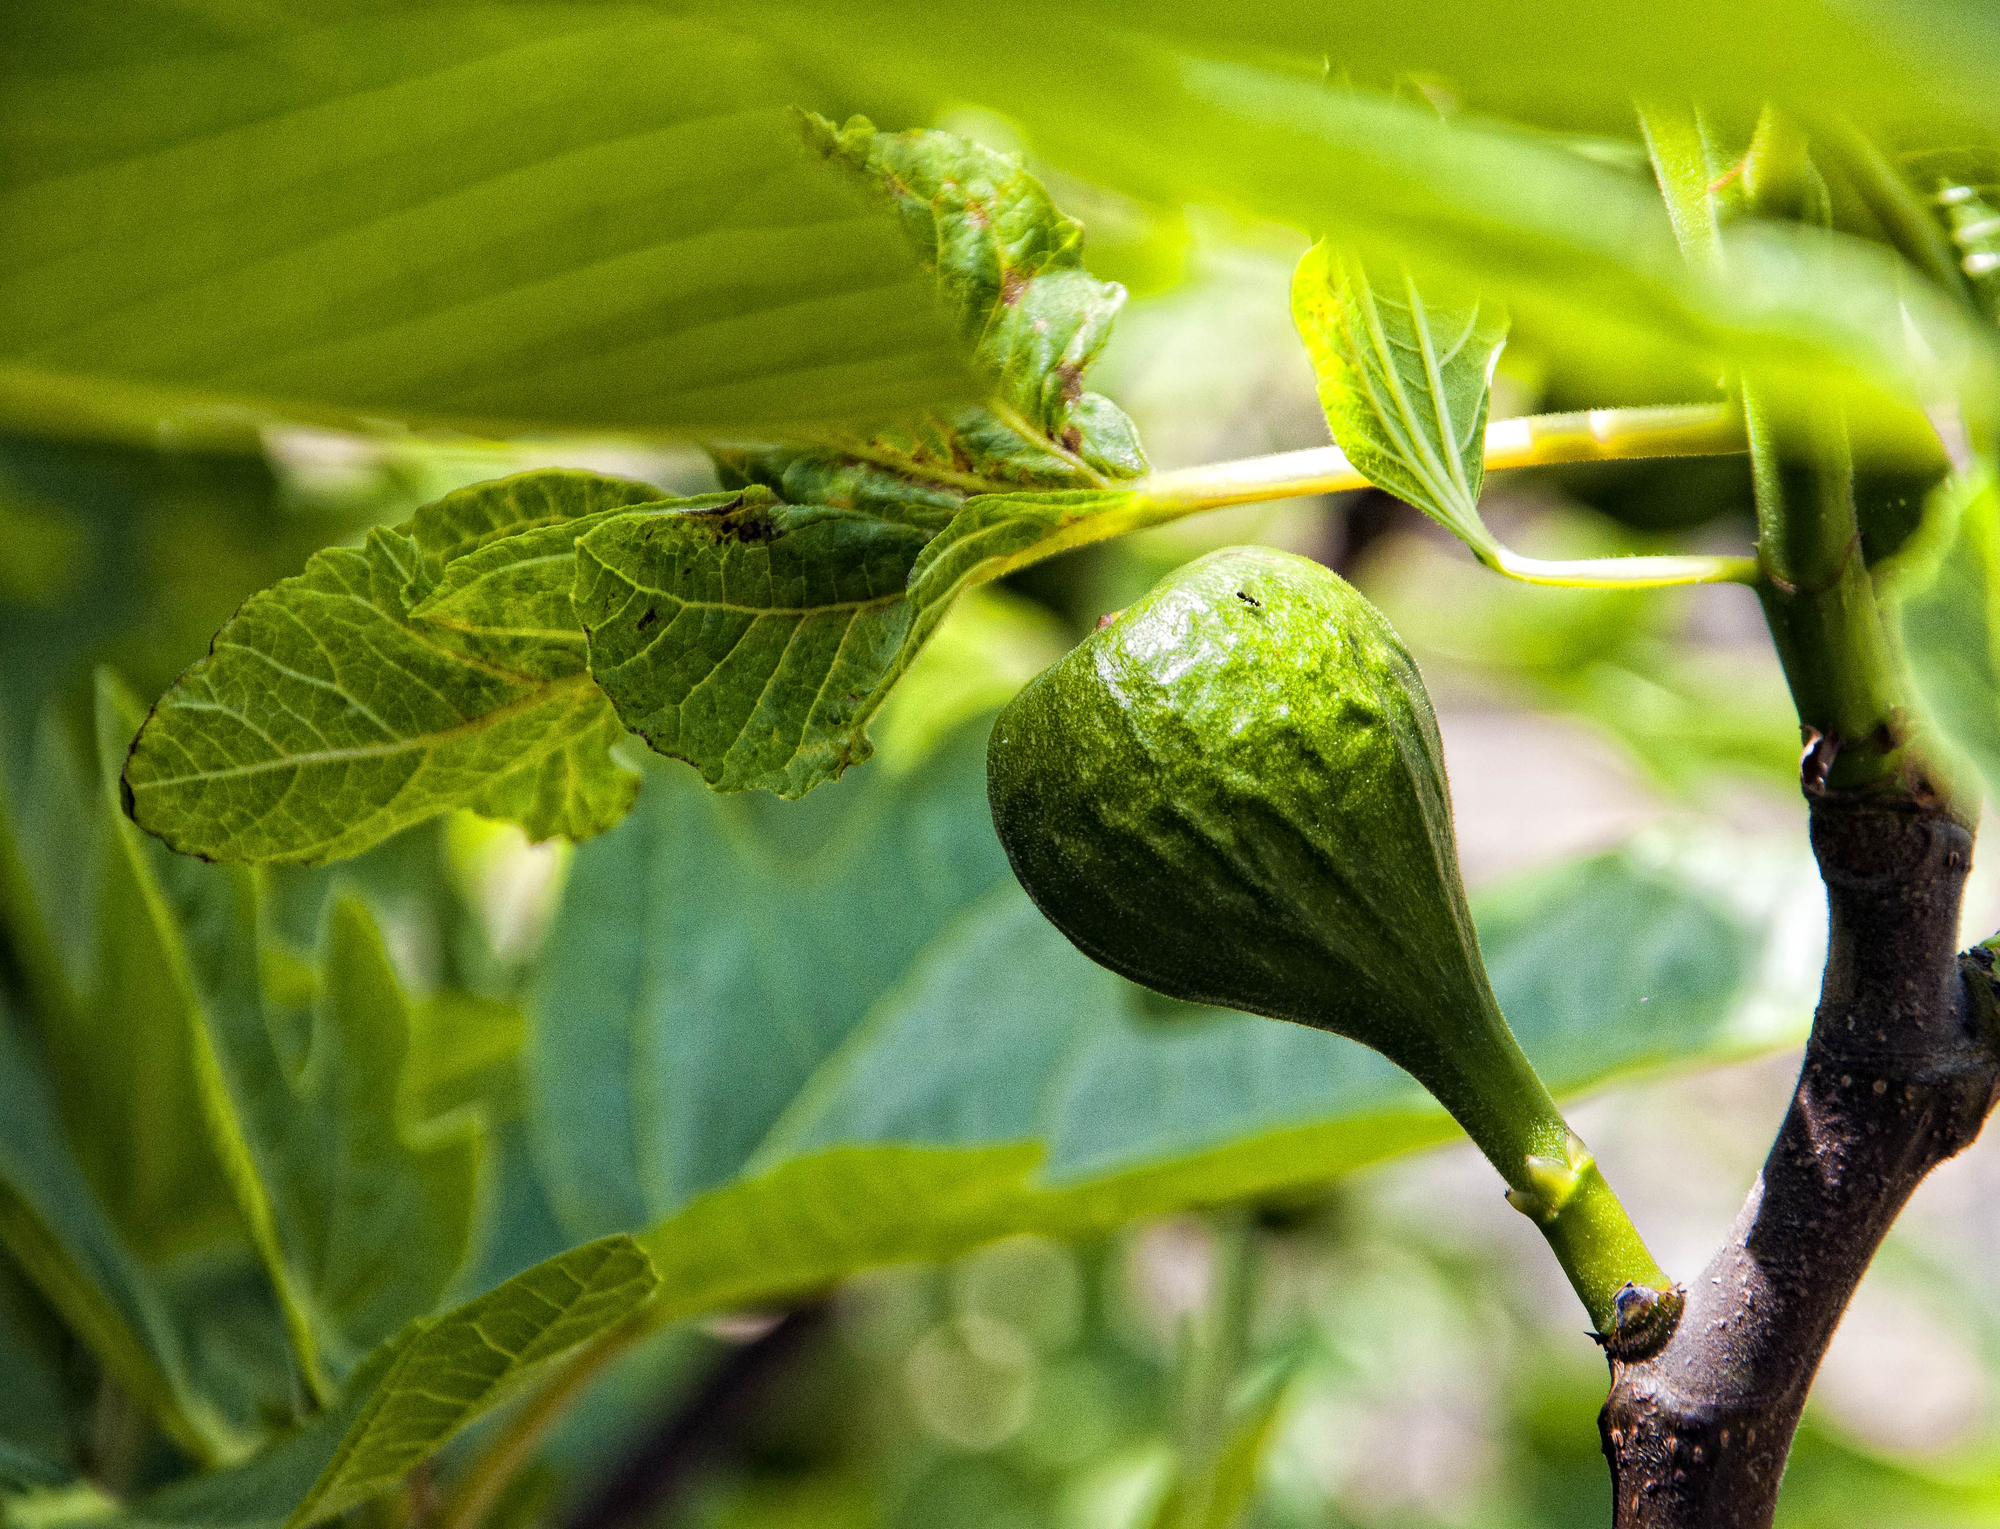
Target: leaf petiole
{"points": [[1596, 435]]}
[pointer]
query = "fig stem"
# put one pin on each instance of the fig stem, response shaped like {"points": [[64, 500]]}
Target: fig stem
{"points": [[1533, 441], [1491, 1089], [1537, 440]]}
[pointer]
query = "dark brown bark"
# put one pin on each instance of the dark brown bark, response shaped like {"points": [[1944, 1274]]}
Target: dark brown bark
{"points": [[1899, 1075]]}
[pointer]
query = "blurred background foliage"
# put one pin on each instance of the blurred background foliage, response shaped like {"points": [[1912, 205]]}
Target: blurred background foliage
{"points": [[1218, 1283]]}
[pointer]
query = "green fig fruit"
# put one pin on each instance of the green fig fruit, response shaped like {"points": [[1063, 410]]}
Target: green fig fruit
{"points": [[1233, 792]]}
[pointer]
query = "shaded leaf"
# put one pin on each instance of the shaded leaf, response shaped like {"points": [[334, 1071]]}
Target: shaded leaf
{"points": [[40, 1412], [415, 1393], [327, 715], [1405, 380], [1948, 584], [844, 1063], [57, 1233], [669, 1031], [360, 1218], [590, 216]]}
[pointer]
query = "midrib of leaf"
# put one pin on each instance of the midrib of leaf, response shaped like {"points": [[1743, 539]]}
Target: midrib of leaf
{"points": [[1455, 442], [425, 741], [1411, 439]]}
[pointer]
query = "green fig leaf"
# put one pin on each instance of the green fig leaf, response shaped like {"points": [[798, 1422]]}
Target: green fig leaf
{"points": [[1009, 268], [753, 640], [584, 218], [360, 1217], [863, 1044], [328, 714], [756, 639], [1405, 381], [415, 1393], [57, 1232], [1947, 580]]}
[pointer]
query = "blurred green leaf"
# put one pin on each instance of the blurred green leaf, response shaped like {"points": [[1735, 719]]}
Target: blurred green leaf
{"points": [[1948, 581], [990, 645], [862, 1044], [1581, 254], [1222, 1492], [415, 1393], [1405, 381], [40, 1426], [56, 1231], [592, 216], [327, 715], [361, 1218], [1627, 661]]}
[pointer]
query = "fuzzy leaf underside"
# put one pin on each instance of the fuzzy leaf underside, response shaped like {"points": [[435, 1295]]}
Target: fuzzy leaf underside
{"points": [[1405, 381], [328, 715]]}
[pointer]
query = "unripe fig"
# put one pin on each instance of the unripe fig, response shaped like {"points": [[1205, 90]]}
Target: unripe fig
{"points": [[1233, 792]]}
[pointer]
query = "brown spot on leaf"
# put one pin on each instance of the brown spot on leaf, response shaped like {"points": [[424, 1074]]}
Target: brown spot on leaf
{"points": [[1072, 381], [1012, 284], [746, 519]]}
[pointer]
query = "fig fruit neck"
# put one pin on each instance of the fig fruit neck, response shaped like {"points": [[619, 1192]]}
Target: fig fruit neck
{"points": [[1487, 1084]]}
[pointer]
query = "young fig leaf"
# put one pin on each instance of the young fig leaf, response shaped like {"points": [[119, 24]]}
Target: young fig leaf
{"points": [[1405, 380], [1233, 792]]}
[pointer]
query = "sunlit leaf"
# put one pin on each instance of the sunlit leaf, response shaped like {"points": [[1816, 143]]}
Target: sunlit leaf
{"points": [[587, 216], [1405, 380], [1581, 254]]}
